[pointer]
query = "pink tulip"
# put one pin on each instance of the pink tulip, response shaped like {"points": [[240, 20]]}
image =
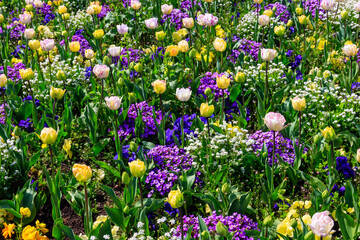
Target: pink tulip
{"points": [[122, 29], [101, 71], [47, 44], [151, 23], [275, 121], [321, 224]]}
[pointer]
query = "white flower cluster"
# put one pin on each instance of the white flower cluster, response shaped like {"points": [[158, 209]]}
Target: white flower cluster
{"points": [[227, 147], [5, 160], [80, 20], [140, 234]]}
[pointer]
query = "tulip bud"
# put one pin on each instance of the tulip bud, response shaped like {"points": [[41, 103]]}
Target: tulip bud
{"points": [[274, 9], [133, 147], [208, 91], [48, 135], [290, 72], [66, 16], [225, 189], [181, 178], [268, 221], [317, 138], [289, 23], [268, 13], [205, 235], [1, 18], [61, 75], [206, 110], [125, 178], [159, 86], [29, 7], [98, 34], [132, 97], [137, 168], [344, 14], [303, 20], [107, 61], [56, 93], [160, 36], [240, 77], [309, 236], [81, 172], [3, 80], [192, 53], [17, 131], [34, 44], [121, 82], [328, 133], [221, 229], [126, 209], [138, 67], [175, 198], [299, 11]]}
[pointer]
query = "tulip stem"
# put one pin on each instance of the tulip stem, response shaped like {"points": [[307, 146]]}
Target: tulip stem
{"points": [[113, 80], [304, 38], [208, 126], [102, 93], [5, 108], [182, 125], [87, 222], [181, 223], [222, 106], [350, 68], [332, 156], [357, 31], [161, 106], [49, 67], [300, 130], [273, 162], [266, 82], [141, 198], [52, 163]]}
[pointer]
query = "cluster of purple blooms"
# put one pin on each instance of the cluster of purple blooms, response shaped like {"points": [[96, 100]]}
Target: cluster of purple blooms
{"points": [[18, 50], [344, 167], [104, 11], [128, 127], [312, 6], [45, 10], [295, 64], [355, 86], [2, 113], [283, 146], [13, 72], [17, 29], [170, 161], [26, 125], [78, 37], [175, 18], [209, 81], [340, 190], [248, 47], [127, 56], [177, 128], [236, 223], [281, 11]]}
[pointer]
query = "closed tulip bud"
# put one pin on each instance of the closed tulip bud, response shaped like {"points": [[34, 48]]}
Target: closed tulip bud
{"points": [[183, 46], [126, 209], [205, 235], [138, 67], [317, 138], [29, 7], [60, 75], [26, 74], [219, 44], [81, 172], [221, 229], [303, 20], [159, 86], [121, 82], [113, 102], [309, 236], [344, 14], [125, 178], [268, 13], [192, 53], [107, 61], [47, 44], [133, 147], [208, 91], [328, 133], [48, 135], [299, 11], [3, 80], [160, 36], [17, 131], [274, 9], [29, 33], [62, 9], [324, 193], [258, 1], [1, 18], [298, 104], [98, 34], [358, 155], [289, 72], [34, 44], [279, 30], [289, 23], [183, 94], [240, 77], [132, 97], [137, 168], [65, 33], [223, 82], [268, 221], [57, 93], [74, 46], [66, 16], [136, 5], [89, 53], [175, 198], [206, 110], [225, 189]]}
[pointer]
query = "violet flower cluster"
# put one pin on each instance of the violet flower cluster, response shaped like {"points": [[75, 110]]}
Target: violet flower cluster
{"points": [[170, 162], [78, 37], [236, 223], [175, 18], [13, 72], [248, 47], [209, 81], [283, 146], [312, 6], [128, 126], [177, 128], [187, 4], [281, 11], [344, 167], [127, 56], [104, 11], [45, 10], [17, 29]]}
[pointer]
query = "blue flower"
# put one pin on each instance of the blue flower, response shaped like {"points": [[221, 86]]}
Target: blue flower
{"points": [[342, 166]]}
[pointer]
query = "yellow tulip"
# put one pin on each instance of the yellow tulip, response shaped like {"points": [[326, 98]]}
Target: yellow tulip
{"points": [[34, 44], [223, 82], [67, 147], [3, 80], [328, 133], [298, 104], [206, 110], [57, 93], [26, 74], [62, 9], [173, 50], [48, 135], [98, 34], [74, 46], [219, 44], [137, 168], [159, 86], [81, 172], [175, 198]]}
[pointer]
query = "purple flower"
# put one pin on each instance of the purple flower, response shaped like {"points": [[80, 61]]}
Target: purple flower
{"points": [[13, 72], [342, 166], [281, 11], [175, 18], [209, 81], [104, 11], [248, 47], [78, 37]]}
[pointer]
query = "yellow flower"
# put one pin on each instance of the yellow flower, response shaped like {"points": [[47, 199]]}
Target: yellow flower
{"points": [[321, 44], [16, 60], [328, 133], [285, 228], [98, 34], [175, 198], [41, 227], [99, 219], [350, 210], [34, 44], [48, 135], [159, 86], [219, 44], [160, 36], [206, 110], [62, 9], [298, 104], [67, 147], [183, 46], [57, 93], [220, 33], [182, 32], [173, 50], [81, 172], [8, 230], [25, 212], [137, 168], [74, 46], [3, 80], [233, 129], [303, 20], [240, 77], [223, 82], [326, 74], [279, 30], [268, 13], [57, 2], [306, 219], [26, 74]]}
